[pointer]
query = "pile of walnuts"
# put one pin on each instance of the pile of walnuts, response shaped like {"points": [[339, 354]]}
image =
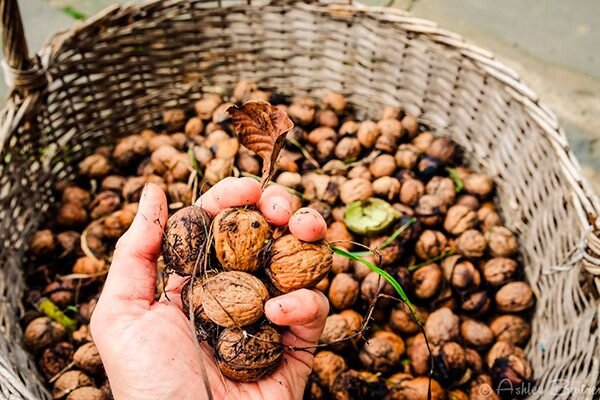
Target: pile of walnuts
{"points": [[389, 185]]}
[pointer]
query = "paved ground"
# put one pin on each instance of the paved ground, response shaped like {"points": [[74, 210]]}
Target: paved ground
{"points": [[554, 44]]}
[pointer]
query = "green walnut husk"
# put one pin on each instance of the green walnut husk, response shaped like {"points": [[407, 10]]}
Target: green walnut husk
{"points": [[369, 217]]}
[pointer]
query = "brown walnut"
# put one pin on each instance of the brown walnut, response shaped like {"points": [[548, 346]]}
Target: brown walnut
{"points": [[514, 297], [471, 243], [459, 219], [343, 291], [501, 241], [327, 366], [511, 329], [382, 351], [442, 326], [88, 359], [68, 382]]}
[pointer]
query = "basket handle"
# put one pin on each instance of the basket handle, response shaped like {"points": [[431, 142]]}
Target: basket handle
{"points": [[21, 72]]}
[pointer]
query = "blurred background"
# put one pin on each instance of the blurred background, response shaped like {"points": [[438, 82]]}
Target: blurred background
{"points": [[553, 44]]}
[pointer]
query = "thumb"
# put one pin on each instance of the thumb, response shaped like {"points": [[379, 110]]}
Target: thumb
{"points": [[132, 275]]}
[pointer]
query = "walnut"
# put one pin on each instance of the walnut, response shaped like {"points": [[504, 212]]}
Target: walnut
{"points": [[468, 200], [476, 334], [459, 219], [323, 285], [411, 191], [476, 303], [217, 170], [489, 218], [367, 134], [82, 335], [117, 223], [321, 187], [508, 364], [194, 126], [430, 209], [418, 354], [348, 149], [324, 150], [42, 243], [113, 182], [71, 215], [383, 165], [482, 391], [335, 101], [444, 149], [302, 111], [86, 393], [240, 237], [386, 143], [174, 119], [185, 239], [76, 195], [390, 127], [322, 208], [419, 389], [179, 192], [388, 255], [356, 189], [234, 299], [89, 266], [104, 203], [132, 190], [327, 118], [54, 359], [442, 326], [206, 106], [499, 271], [339, 235], [60, 292], [403, 321], [220, 114], [501, 241], [87, 359], [427, 281], [372, 285], [478, 184], [226, 149], [340, 263], [295, 264], [349, 128], [158, 141], [288, 179], [430, 244], [514, 297], [423, 141], [443, 188], [428, 167], [390, 112], [407, 156], [129, 150], [343, 291], [471, 243], [410, 124], [242, 91], [335, 168], [382, 352], [387, 187], [351, 384], [451, 362], [360, 171], [511, 329], [474, 361], [42, 332], [463, 276], [68, 382], [340, 328], [95, 166], [327, 366]]}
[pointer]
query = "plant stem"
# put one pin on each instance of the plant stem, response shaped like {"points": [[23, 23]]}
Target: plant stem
{"points": [[431, 260], [388, 241], [458, 183], [53, 312]]}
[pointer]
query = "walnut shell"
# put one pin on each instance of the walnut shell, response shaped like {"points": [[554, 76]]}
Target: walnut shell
{"points": [[43, 243], [339, 235], [423, 141], [478, 184], [476, 303], [511, 329], [499, 270], [443, 188], [340, 264], [471, 243], [411, 191], [407, 156], [88, 359], [367, 134], [339, 328], [387, 187], [418, 354], [234, 299], [343, 291], [95, 166], [476, 334], [355, 189], [76, 195], [68, 382], [206, 105], [71, 215], [104, 203], [430, 209], [87, 393], [42, 332], [450, 361], [427, 281], [327, 366], [352, 384], [382, 352], [54, 359], [372, 285], [390, 127], [335, 101], [185, 239], [347, 149], [296, 264], [444, 149], [509, 364], [459, 219], [430, 244], [403, 321], [442, 326], [464, 276], [514, 297], [249, 357], [117, 223], [240, 237], [418, 389], [501, 241], [383, 165]]}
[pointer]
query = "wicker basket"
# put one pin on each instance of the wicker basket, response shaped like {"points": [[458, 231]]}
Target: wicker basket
{"points": [[113, 74]]}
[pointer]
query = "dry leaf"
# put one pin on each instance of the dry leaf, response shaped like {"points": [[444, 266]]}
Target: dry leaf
{"points": [[262, 129]]}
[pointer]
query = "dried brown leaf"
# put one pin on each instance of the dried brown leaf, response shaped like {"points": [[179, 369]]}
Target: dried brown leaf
{"points": [[261, 127]]}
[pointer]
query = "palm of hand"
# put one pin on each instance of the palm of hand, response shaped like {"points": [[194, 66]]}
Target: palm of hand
{"points": [[148, 348]]}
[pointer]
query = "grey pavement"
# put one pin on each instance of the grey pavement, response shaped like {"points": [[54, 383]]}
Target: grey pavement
{"points": [[553, 44]]}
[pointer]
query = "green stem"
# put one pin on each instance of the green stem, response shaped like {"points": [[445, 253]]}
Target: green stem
{"points": [[304, 152], [431, 260], [52, 311], [385, 275], [388, 241], [458, 183]]}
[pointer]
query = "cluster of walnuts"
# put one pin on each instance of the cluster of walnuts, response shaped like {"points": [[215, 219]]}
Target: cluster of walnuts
{"points": [[454, 258]]}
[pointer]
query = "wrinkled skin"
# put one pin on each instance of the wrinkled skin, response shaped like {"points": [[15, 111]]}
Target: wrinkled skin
{"points": [[148, 347]]}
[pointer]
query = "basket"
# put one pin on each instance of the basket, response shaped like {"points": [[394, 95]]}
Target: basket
{"points": [[113, 75]]}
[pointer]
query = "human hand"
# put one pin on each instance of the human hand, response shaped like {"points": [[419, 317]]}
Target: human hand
{"points": [[148, 347]]}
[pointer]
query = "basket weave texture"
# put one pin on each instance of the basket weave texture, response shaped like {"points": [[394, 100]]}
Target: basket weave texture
{"points": [[114, 74]]}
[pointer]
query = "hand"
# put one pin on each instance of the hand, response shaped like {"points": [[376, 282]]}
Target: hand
{"points": [[148, 347]]}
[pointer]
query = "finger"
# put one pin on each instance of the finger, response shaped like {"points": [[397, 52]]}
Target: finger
{"points": [[308, 225], [275, 205], [132, 275], [230, 192], [304, 311]]}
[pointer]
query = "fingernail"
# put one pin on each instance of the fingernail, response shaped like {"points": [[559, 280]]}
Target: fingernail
{"points": [[284, 304]]}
